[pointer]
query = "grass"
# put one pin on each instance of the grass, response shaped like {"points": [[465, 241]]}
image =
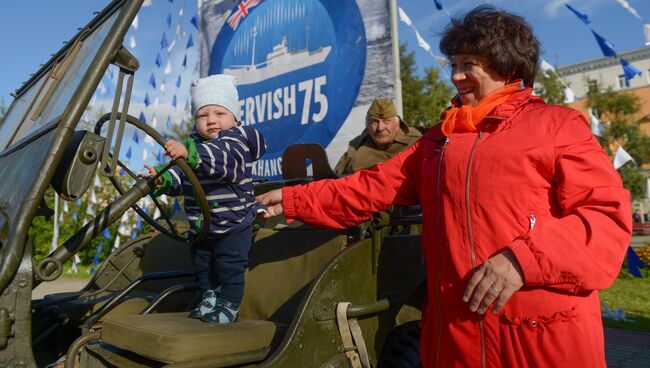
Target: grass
{"points": [[632, 294], [83, 272]]}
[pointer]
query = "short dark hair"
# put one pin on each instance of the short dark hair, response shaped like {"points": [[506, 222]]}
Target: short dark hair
{"points": [[506, 40]]}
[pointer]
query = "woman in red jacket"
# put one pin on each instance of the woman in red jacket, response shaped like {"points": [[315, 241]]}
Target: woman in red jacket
{"points": [[523, 214]]}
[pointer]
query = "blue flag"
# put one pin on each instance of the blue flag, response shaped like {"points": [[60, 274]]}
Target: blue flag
{"points": [[582, 16], [128, 153], [633, 263], [177, 206], [178, 82], [74, 216], [174, 101], [146, 99], [106, 234], [152, 81], [169, 122], [159, 158], [98, 253], [438, 4], [138, 223], [190, 43], [158, 60], [605, 46], [169, 20], [78, 202], [134, 235], [194, 22], [185, 61], [136, 138], [630, 70], [142, 117], [163, 43]]}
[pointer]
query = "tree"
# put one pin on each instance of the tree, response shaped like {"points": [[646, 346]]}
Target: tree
{"points": [[423, 98], [618, 110], [549, 86]]}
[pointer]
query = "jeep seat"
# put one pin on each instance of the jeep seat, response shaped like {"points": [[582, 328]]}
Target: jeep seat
{"points": [[282, 265], [172, 337]]}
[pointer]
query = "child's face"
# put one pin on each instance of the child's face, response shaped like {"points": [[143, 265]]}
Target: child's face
{"points": [[211, 119]]}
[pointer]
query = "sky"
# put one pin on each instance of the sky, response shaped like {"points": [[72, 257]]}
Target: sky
{"points": [[32, 30]]}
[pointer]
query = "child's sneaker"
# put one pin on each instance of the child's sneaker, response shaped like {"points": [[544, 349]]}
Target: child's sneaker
{"points": [[223, 312], [207, 305]]}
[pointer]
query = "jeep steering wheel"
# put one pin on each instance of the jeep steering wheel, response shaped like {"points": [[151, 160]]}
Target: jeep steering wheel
{"points": [[182, 164]]}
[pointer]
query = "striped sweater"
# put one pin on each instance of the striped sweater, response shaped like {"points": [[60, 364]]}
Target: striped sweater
{"points": [[223, 166]]}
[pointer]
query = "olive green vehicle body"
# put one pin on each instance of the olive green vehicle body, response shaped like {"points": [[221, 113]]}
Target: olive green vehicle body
{"points": [[133, 312]]}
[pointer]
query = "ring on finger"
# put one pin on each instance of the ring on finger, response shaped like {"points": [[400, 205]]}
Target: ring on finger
{"points": [[495, 290]]}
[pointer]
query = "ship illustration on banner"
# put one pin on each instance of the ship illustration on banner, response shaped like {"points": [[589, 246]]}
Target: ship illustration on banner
{"points": [[279, 61], [299, 66]]}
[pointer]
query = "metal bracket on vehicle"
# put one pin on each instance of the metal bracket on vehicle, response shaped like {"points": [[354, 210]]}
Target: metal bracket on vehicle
{"points": [[380, 220], [128, 64], [5, 327]]}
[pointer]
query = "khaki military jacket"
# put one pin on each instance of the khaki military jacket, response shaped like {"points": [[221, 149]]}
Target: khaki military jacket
{"points": [[362, 153]]}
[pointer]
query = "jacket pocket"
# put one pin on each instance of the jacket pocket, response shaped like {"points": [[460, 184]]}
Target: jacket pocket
{"points": [[558, 340]]}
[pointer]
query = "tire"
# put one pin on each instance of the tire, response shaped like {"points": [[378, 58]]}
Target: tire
{"points": [[402, 347]]}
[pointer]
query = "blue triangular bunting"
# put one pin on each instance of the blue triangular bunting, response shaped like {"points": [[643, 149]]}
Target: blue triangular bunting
{"points": [[582, 16], [605, 46], [630, 70]]}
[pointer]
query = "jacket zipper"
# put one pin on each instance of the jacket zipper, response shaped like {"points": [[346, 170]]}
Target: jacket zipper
{"points": [[442, 152], [533, 220], [470, 236]]}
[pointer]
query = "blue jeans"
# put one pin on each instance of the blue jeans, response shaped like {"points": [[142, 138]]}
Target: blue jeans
{"points": [[220, 260]]}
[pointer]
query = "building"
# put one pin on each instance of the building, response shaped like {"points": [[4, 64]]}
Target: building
{"points": [[608, 72]]}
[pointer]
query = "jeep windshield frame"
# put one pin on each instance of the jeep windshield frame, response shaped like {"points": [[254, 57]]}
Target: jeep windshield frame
{"points": [[42, 119]]}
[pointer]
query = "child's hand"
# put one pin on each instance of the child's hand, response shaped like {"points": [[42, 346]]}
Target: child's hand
{"points": [[175, 149], [152, 172]]}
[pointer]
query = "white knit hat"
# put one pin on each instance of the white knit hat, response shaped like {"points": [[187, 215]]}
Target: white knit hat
{"points": [[218, 89]]}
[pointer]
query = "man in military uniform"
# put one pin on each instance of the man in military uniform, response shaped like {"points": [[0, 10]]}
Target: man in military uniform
{"points": [[385, 135]]}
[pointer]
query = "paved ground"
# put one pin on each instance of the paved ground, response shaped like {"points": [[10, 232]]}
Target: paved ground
{"points": [[640, 240], [627, 349]]}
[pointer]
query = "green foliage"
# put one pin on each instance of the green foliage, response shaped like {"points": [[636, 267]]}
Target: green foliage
{"points": [[549, 87], [423, 98], [42, 229], [618, 111], [627, 293], [618, 107]]}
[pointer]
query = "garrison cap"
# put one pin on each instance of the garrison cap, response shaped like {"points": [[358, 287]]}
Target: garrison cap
{"points": [[384, 108]]}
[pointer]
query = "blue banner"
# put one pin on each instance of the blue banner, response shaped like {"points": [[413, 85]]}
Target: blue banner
{"points": [[300, 66]]}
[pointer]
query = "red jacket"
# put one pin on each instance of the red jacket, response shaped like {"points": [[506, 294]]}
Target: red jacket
{"points": [[533, 180]]}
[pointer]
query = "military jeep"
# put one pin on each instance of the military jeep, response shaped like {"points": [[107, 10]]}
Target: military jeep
{"points": [[313, 297]]}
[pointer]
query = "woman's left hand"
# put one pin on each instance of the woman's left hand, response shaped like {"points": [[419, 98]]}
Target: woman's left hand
{"points": [[495, 280]]}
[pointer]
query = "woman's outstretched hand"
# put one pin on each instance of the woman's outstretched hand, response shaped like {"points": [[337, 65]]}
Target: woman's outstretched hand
{"points": [[273, 200], [494, 282]]}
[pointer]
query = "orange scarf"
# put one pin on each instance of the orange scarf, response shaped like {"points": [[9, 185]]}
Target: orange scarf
{"points": [[468, 118]]}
